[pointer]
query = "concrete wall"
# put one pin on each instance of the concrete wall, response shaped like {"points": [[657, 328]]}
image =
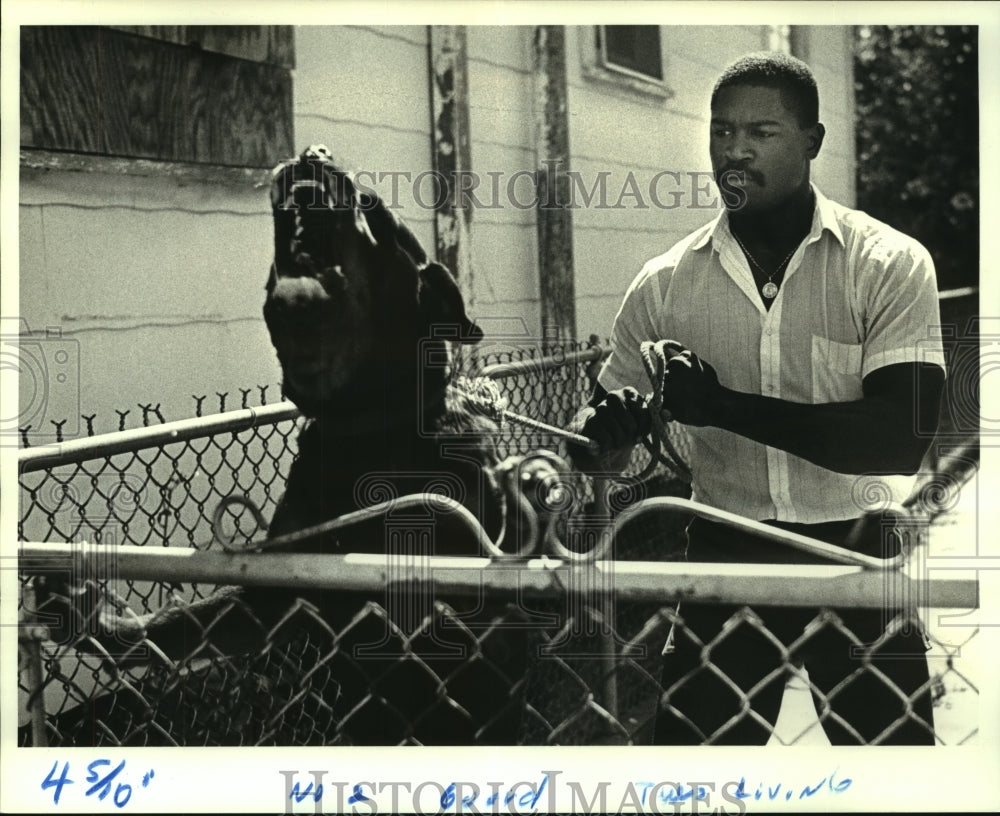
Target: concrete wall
{"points": [[156, 281]]}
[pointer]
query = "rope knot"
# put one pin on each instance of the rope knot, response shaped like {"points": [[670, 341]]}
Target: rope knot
{"points": [[484, 396]]}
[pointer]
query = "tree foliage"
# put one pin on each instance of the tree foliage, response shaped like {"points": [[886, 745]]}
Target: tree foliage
{"points": [[917, 94]]}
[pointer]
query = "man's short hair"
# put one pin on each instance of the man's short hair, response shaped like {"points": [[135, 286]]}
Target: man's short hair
{"points": [[773, 69]]}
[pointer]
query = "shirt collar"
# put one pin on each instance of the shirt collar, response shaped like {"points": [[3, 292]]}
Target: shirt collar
{"points": [[824, 218]]}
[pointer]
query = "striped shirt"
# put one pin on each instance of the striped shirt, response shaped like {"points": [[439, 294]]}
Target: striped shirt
{"points": [[857, 295]]}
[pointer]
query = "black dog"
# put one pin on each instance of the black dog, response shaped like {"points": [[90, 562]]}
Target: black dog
{"points": [[364, 325]]}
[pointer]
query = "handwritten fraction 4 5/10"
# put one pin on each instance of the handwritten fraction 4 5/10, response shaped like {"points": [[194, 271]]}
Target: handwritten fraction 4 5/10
{"points": [[100, 781]]}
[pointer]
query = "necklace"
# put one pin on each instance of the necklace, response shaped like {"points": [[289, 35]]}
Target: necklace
{"points": [[770, 288]]}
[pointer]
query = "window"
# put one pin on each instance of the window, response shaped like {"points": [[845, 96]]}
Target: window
{"points": [[635, 49], [218, 95], [629, 57]]}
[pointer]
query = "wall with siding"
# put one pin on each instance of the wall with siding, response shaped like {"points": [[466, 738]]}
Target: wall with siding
{"points": [[156, 284], [504, 291], [156, 277], [374, 114], [363, 92], [828, 50]]}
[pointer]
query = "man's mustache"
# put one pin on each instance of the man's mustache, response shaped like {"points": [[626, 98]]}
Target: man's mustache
{"points": [[739, 173]]}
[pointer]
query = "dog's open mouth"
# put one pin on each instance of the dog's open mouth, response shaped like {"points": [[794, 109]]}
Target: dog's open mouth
{"points": [[317, 289], [317, 216]]}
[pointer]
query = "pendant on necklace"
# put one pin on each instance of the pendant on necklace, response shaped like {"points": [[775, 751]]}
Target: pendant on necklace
{"points": [[769, 290]]}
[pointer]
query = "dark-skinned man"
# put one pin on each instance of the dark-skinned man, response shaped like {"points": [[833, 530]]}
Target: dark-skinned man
{"points": [[799, 364]]}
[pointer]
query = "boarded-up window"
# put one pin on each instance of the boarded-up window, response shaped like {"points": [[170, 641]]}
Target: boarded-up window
{"points": [[219, 95], [633, 48]]}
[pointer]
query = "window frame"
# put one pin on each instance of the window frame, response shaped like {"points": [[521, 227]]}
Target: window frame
{"points": [[596, 66], [611, 65]]}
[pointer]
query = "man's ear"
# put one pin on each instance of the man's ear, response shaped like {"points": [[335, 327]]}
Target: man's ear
{"points": [[443, 305], [815, 140]]}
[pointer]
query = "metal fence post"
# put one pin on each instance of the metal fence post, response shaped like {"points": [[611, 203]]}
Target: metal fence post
{"points": [[606, 634], [30, 637]]}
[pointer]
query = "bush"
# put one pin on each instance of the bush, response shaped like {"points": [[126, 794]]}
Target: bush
{"points": [[917, 95]]}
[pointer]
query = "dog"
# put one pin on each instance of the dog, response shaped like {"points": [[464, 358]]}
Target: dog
{"points": [[365, 329], [363, 324]]}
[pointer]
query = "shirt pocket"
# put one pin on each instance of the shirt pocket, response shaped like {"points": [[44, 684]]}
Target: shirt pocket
{"points": [[836, 370]]}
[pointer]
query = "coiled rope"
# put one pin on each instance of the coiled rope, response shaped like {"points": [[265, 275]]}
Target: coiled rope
{"points": [[661, 449]]}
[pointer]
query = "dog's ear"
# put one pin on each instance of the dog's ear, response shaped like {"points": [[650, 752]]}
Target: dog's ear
{"points": [[443, 305]]}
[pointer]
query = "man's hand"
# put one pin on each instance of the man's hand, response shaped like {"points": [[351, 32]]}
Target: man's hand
{"points": [[691, 389], [616, 423]]}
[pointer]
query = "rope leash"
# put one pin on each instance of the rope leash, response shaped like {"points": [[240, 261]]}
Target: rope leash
{"points": [[485, 395], [661, 449]]}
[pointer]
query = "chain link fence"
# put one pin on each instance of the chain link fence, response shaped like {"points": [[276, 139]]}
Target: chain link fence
{"points": [[545, 652]]}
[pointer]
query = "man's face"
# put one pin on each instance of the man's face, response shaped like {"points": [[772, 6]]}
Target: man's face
{"points": [[754, 132]]}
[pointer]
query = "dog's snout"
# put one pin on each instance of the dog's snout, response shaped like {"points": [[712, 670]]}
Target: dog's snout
{"points": [[296, 293], [318, 217], [297, 301]]}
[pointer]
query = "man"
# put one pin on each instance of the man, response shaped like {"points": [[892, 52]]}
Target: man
{"points": [[798, 374]]}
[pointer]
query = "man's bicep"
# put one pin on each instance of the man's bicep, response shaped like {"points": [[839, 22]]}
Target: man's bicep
{"points": [[913, 390]]}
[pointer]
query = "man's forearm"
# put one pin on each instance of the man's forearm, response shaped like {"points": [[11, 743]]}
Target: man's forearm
{"points": [[847, 437]]}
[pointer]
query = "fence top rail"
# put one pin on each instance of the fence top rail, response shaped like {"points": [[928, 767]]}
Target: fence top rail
{"points": [[635, 581], [963, 291], [96, 447], [81, 450], [499, 371], [841, 555]]}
